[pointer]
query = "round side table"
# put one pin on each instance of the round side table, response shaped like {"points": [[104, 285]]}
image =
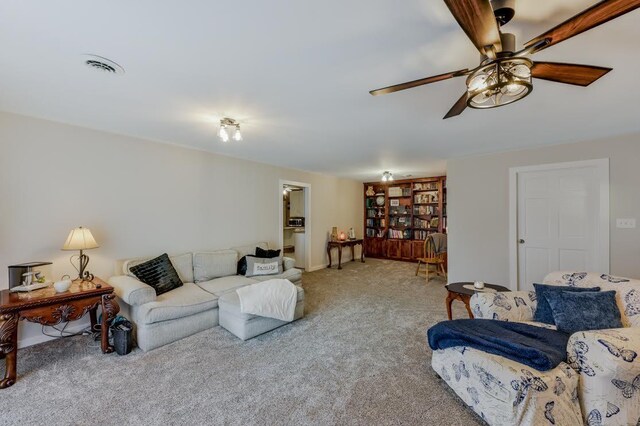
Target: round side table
{"points": [[460, 291]]}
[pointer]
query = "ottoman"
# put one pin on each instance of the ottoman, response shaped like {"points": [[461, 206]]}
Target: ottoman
{"points": [[246, 326]]}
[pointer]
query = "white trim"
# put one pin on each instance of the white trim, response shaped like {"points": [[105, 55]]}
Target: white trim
{"points": [[602, 166], [307, 218]]}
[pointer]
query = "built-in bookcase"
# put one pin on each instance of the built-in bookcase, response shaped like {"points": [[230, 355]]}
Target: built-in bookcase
{"points": [[399, 215]]}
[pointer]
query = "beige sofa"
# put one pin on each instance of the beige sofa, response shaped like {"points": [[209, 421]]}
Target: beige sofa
{"points": [[192, 308]]}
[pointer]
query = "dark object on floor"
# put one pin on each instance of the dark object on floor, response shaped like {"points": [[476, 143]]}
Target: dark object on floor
{"points": [[537, 347], [122, 336]]}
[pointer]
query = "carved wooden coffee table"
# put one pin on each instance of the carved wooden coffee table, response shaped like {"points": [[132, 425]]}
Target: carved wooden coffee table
{"points": [[47, 307]]}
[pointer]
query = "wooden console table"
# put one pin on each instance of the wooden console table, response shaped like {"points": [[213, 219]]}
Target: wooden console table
{"points": [[47, 307], [345, 243]]}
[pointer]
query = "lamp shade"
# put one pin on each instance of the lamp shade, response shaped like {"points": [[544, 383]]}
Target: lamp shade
{"points": [[80, 239]]}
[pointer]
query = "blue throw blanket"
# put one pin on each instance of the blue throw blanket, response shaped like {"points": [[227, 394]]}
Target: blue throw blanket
{"points": [[537, 347]]}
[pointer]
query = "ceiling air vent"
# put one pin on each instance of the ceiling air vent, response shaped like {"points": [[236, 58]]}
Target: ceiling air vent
{"points": [[103, 64]]}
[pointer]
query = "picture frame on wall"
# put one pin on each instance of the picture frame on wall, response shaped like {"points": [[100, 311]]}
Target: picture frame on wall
{"points": [[394, 203]]}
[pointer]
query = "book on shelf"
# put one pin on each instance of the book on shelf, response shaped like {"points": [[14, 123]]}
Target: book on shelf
{"points": [[425, 186], [425, 197], [398, 234], [374, 233], [376, 223], [420, 223], [425, 210], [420, 234], [400, 221]]}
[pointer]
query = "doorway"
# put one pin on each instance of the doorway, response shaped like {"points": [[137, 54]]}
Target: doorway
{"points": [[559, 220], [295, 222]]}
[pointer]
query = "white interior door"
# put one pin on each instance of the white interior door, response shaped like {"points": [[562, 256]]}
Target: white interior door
{"points": [[560, 221]]}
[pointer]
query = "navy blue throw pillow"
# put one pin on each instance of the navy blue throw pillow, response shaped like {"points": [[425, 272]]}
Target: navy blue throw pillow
{"points": [[543, 311], [588, 310], [266, 254]]}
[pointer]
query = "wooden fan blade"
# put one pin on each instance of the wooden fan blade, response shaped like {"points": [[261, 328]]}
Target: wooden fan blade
{"points": [[477, 20], [596, 15], [579, 75], [458, 107], [420, 82]]}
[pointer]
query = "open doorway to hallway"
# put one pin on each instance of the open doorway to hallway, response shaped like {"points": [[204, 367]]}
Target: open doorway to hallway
{"points": [[295, 222]]}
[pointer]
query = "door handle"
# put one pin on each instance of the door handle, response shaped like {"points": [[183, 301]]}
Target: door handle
{"points": [[521, 241]]}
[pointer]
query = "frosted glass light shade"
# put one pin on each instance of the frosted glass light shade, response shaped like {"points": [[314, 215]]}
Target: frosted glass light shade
{"points": [[80, 239]]}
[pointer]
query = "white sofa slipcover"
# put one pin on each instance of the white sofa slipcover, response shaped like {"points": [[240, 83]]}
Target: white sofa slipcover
{"points": [[599, 384], [192, 308]]}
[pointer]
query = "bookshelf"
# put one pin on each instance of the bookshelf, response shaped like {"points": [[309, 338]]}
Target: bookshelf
{"points": [[399, 215]]}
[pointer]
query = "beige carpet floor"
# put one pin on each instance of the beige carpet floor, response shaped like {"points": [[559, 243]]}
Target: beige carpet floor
{"points": [[358, 357]]}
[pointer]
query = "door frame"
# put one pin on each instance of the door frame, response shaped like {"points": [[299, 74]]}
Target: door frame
{"points": [[307, 218], [602, 167]]}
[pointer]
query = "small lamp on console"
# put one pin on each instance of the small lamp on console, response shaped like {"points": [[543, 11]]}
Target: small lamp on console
{"points": [[80, 239]]}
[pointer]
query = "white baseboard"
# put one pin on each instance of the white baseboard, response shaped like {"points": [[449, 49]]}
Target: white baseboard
{"points": [[317, 267], [39, 338]]}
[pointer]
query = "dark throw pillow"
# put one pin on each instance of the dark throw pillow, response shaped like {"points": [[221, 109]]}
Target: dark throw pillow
{"points": [[543, 310], [242, 264], [266, 254], [159, 273], [587, 310]]}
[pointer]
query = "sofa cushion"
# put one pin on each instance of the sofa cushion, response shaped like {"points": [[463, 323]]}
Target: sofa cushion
{"points": [[183, 263], [181, 302], [267, 254], [584, 311], [159, 273], [230, 302], [294, 275], [220, 286], [214, 264]]}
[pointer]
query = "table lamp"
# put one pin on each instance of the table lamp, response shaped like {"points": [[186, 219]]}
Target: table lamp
{"points": [[80, 239]]}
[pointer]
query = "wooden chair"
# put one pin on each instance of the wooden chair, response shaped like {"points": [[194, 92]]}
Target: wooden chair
{"points": [[432, 259]]}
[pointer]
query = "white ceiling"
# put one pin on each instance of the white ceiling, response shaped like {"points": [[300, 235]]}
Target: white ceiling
{"points": [[297, 75]]}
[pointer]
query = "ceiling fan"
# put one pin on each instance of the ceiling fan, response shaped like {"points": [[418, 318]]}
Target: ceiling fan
{"points": [[505, 74]]}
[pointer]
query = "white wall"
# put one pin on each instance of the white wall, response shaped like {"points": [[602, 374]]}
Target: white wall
{"points": [[142, 198], [478, 206]]}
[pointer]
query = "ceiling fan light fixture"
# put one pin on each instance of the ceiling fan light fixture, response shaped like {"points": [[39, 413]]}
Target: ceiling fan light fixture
{"points": [[500, 82]]}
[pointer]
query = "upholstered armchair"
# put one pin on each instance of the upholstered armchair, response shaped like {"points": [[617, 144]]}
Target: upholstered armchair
{"points": [[606, 360]]}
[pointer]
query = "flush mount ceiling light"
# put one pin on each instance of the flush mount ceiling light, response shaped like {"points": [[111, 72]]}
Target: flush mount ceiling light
{"points": [[387, 177], [224, 134]]}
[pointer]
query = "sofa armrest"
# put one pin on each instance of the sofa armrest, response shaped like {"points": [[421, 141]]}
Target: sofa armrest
{"points": [[288, 263], [132, 291], [504, 306], [609, 368]]}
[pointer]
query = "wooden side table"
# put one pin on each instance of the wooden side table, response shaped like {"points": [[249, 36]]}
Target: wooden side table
{"points": [[345, 243], [460, 291], [47, 307]]}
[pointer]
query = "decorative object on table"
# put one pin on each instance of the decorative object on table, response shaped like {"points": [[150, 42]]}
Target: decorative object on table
{"points": [[352, 234], [370, 192], [343, 236], [474, 288], [478, 284], [63, 285], [334, 233], [17, 275], [80, 239]]}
